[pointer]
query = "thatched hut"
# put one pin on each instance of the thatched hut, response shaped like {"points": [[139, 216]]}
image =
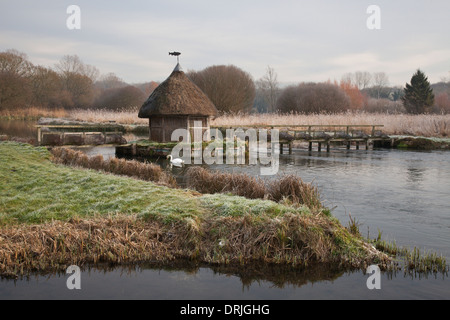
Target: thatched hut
{"points": [[177, 103]]}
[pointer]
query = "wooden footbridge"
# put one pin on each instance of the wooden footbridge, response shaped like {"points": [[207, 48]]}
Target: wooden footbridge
{"points": [[56, 135], [324, 135]]}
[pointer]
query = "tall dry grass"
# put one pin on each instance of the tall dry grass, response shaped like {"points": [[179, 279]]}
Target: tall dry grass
{"points": [[102, 116], [131, 168], [288, 188], [52, 247], [430, 125], [33, 113], [292, 240]]}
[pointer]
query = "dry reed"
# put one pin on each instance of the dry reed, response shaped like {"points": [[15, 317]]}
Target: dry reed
{"points": [[56, 245], [205, 181], [124, 239], [101, 116], [429, 125], [33, 113], [288, 188], [131, 168]]}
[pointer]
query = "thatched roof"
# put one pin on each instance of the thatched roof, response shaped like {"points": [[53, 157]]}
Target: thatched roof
{"points": [[177, 95]]}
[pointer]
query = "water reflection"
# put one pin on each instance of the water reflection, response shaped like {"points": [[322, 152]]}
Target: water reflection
{"points": [[18, 128], [415, 175], [190, 281]]}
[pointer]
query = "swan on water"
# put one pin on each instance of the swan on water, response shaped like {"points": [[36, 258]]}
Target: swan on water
{"points": [[176, 162]]}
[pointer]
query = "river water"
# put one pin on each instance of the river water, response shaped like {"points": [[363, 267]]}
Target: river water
{"points": [[405, 195]]}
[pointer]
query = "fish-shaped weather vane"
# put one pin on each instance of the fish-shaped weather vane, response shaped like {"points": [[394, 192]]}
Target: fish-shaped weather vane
{"points": [[176, 54]]}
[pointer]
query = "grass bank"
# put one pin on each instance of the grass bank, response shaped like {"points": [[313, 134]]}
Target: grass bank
{"points": [[52, 216]]}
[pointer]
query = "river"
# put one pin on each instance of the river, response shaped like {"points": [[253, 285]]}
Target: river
{"points": [[402, 194]]}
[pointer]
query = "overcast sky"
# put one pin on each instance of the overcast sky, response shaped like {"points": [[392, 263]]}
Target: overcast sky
{"points": [[301, 40]]}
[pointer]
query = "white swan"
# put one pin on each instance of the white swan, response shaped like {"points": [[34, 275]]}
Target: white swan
{"points": [[175, 162]]}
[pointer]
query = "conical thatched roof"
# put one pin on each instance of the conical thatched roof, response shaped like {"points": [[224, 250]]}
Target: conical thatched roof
{"points": [[177, 95]]}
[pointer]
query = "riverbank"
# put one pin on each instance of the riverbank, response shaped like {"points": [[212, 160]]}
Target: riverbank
{"points": [[53, 216], [421, 143]]}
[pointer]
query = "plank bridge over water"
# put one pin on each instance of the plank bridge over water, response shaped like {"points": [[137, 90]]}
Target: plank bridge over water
{"points": [[325, 135], [321, 135], [55, 135]]}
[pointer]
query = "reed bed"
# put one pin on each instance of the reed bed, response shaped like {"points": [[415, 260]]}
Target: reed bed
{"points": [[429, 125], [54, 246], [132, 168], [414, 260], [297, 241], [287, 189], [105, 116], [33, 113]]}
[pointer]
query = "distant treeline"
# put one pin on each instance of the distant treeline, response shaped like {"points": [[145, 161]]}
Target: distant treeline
{"points": [[72, 84]]}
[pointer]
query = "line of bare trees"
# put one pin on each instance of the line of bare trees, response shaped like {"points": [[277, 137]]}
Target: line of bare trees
{"points": [[74, 84], [70, 84], [360, 90]]}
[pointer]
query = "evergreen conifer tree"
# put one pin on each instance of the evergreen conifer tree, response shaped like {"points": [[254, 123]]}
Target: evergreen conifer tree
{"points": [[419, 97]]}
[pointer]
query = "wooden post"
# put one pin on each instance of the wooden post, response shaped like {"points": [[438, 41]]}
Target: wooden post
{"points": [[348, 145], [39, 139], [290, 147], [310, 146], [328, 146], [281, 148], [319, 148], [357, 145]]}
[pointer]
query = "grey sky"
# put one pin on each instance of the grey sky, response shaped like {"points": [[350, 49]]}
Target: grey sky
{"points": [[302, 40]]}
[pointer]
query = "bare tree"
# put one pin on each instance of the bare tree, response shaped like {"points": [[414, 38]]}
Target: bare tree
{"points": [[268, 86], [362, 79], [380, 81], [110, 81], [77, 79], [15, 89], [46, 86], [69, 64], [313, 98], [121, 98], [229, 88], [15, 62], [73, 64]]}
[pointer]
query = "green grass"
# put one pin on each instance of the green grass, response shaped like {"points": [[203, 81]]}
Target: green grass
{"points": [[234, 206], [34, 190]]}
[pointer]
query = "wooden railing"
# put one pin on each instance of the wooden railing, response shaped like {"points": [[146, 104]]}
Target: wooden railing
{"points": [[321, 133]]}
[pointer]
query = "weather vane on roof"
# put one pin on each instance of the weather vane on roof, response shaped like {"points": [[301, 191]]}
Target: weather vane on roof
{"points": [[176, 54]]}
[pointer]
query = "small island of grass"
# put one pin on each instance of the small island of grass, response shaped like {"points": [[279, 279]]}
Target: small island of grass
{"points": [[53, 216]]}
